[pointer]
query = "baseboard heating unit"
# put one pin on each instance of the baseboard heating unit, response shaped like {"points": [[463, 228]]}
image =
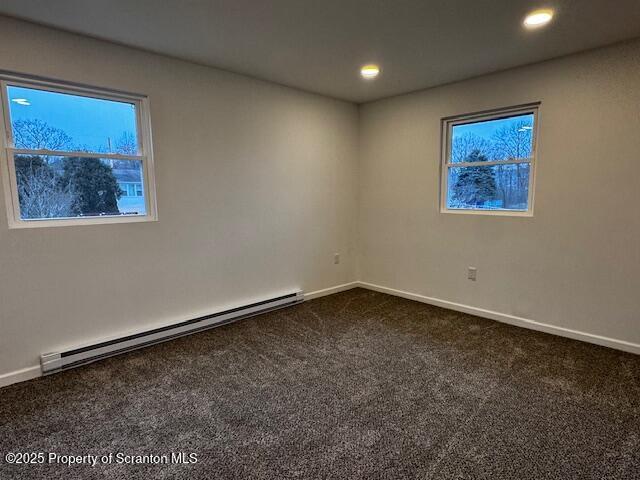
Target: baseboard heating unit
{"points": [[55, 362]]}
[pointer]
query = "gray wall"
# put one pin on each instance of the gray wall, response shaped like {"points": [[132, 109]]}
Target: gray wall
{"points": [[576, 263], [256, 191]]}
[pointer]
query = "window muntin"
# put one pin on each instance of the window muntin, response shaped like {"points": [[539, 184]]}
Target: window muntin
{"points": [[69, 152], [489, 162]]}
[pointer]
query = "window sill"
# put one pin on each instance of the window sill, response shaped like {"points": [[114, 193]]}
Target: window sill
{"points": [[495, 213], [74, 222]]}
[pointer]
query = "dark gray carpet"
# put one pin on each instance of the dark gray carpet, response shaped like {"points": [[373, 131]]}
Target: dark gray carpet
{"points": [[355, 385]]}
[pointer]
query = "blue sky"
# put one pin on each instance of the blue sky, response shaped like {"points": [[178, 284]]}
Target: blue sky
{"points": [[89, 121], [486, 129]]}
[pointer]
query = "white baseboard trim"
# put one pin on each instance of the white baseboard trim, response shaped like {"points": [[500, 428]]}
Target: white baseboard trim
{"points": [[20, 375], [510, 319], [35, 371], [331, 290]]}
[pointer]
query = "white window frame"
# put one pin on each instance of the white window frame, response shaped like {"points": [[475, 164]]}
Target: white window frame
{"points": [[8, 151], [447, 130]]}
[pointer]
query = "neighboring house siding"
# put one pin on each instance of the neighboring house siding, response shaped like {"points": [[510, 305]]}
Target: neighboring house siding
{"points": [[130, 182]]}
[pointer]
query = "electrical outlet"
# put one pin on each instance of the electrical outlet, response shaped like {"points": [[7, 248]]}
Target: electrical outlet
{"points": [[471, 273], [336, 258]]}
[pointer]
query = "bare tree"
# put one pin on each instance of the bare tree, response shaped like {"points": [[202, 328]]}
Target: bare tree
{"points": [[513, 142], [40, 192], [127, 144], [463, 145], [34, 134]]}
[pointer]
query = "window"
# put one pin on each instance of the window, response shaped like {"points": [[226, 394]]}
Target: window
{"points": [[74, 155], [489, 161]]}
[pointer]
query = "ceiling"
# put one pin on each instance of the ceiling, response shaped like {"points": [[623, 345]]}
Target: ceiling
{"points": [[319, 45]]}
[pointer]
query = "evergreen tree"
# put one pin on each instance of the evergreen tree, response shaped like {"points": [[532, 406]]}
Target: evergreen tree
{"points": [[95, 188], [475, 185]]}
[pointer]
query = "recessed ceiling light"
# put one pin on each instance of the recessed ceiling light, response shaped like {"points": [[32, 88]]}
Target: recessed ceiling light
{"points": [[538, 18], [370, 71]]}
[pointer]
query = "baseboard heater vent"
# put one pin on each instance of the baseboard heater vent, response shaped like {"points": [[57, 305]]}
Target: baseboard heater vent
{"points": [[55, 362]]}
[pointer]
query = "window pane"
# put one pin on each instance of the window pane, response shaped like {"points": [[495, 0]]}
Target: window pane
{"points": [[72, 187], [58, 121], [500, 139], [495, 187]]}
